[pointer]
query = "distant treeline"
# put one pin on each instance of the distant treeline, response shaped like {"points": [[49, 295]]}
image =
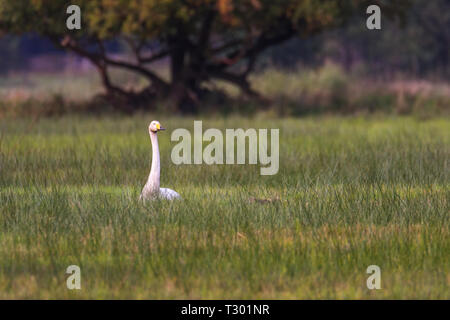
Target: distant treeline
{"points": [[417, 46]]}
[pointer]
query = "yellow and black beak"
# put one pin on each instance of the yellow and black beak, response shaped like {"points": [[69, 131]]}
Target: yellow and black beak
{"points": [[159, 128]]}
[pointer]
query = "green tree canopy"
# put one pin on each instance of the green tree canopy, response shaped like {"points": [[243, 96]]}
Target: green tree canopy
{"points": [[203, 40]]}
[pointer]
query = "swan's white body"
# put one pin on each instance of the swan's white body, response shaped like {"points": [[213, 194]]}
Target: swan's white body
{"points": [[152, 188]]}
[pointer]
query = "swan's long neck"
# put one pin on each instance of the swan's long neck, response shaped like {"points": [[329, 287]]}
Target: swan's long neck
{"points": [[153, 178]]}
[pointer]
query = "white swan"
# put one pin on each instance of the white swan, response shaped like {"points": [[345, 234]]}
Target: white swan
{"points": [[151, 189]]}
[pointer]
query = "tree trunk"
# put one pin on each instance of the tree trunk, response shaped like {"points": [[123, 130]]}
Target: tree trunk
{"points": [[183, 87]]}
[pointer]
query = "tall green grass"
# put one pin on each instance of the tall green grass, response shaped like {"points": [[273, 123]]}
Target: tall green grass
{"points": [[350, 192]]}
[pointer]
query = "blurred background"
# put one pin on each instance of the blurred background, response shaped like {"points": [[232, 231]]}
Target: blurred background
{"points": [[341, 67]]}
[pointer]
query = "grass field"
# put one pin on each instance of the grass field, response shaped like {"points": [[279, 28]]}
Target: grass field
{"points": [[351, 192]]}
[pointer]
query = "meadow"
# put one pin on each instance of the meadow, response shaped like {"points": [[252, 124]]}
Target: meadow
{"points": [[351, 191]]}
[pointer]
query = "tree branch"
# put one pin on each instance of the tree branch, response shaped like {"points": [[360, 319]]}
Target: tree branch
{"points": [[239, 81], [154, 57], [252, 52], [226, 46], [101, 59]]}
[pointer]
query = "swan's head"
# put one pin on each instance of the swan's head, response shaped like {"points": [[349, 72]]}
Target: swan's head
{"points": [[155, 126]]}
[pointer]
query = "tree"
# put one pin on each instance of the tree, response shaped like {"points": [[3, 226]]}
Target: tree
{"points": [[203, 40]]}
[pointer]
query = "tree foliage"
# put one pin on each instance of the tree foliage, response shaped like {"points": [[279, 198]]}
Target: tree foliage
{"points": [[203, 40]]}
